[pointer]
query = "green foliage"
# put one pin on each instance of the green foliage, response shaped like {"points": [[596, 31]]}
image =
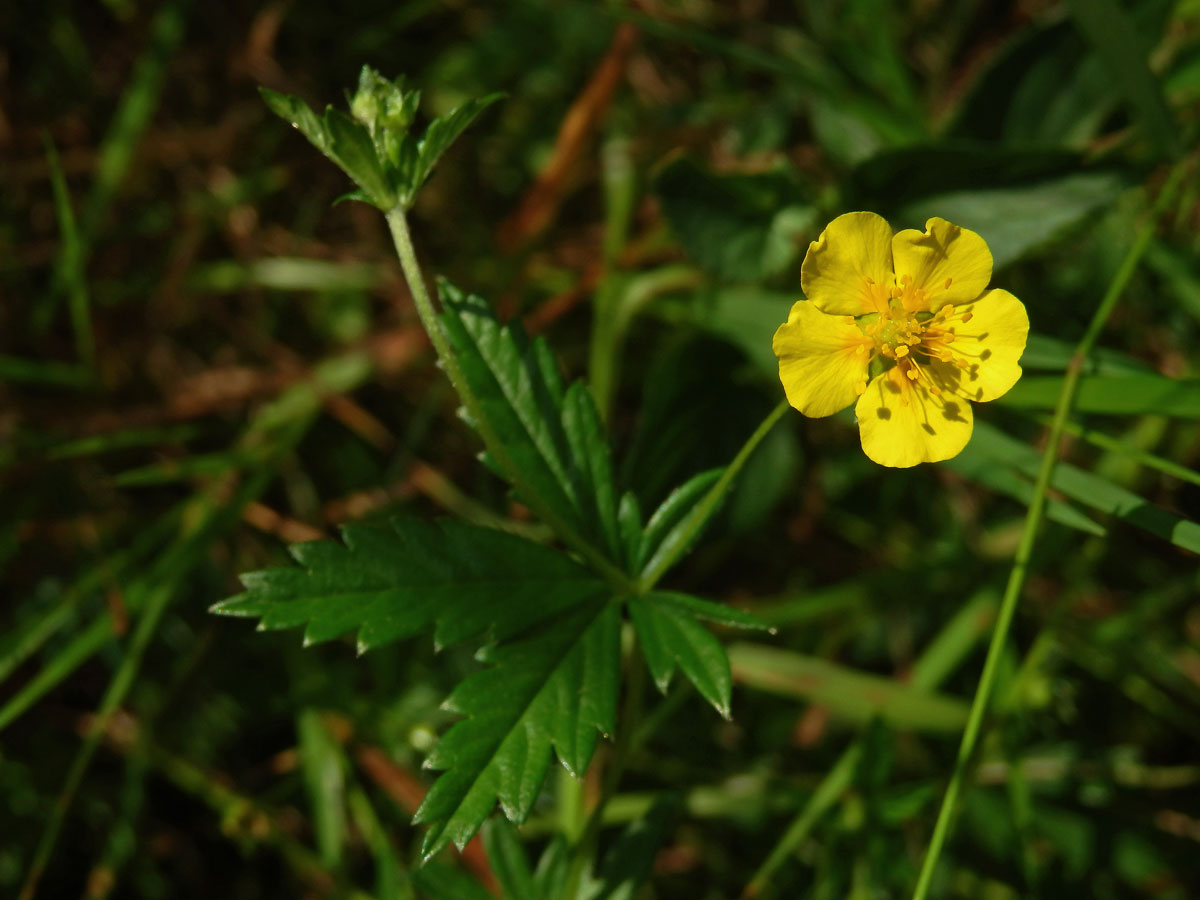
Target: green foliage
{"points": [[545, 439], [554, 688], [207, 357], [374, 147], [394, 581], [739, 227]]}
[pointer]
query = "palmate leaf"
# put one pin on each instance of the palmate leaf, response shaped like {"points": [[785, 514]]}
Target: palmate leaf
{"points": [[544, 438], [552, 662]]}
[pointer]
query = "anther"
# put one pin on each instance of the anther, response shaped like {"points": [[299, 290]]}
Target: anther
{"points": [[949, 281], [966, 317]]}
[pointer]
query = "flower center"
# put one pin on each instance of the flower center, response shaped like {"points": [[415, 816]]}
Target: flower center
{"points": [[910, 338]]}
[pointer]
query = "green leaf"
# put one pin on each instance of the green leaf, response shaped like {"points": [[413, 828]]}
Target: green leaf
{"points": [[981, 467], [589, 452], [1052, 354], [665, 528], [321, 763], [545, 440], [1121, 48], [629, 862], [441, 882], [553, 869], [670, 637], [1017, 201], [629, 522], [300, 116], [441, 133], [1134, 393], [539, 691], [394, 581], [551, 676], [746, 315], [850, 694], [1042, 88], [353, 150], [507, 858], [739, 227], [344, 141], [719, 613], [1088, 489]]}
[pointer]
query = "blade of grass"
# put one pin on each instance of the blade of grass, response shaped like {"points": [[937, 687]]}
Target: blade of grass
{"points": [[848, 693], [69, 267], [116, 153], [78, 650], [215, 509], [943, 655], [1016, 580], [1145, 458], [27, 638], [156, 591], [41, 371]]}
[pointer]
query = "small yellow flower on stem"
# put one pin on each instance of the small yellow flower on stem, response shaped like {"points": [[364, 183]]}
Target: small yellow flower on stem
{"points": [[903, 327]]}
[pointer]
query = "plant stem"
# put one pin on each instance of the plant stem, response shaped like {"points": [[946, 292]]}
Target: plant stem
{"points": [[681, 538], [398, 225], [1033, 518]]}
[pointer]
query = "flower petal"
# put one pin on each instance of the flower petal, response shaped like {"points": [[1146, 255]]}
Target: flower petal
{"points": [[848, 269], [901, 423], [992, 343], [822, 360], [949, 264]]}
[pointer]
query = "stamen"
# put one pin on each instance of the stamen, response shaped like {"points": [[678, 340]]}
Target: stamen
{"points": [[949, 281], [966, 317]]}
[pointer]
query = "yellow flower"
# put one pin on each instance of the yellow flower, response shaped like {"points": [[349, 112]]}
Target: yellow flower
{"points": [[902, 326]]}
